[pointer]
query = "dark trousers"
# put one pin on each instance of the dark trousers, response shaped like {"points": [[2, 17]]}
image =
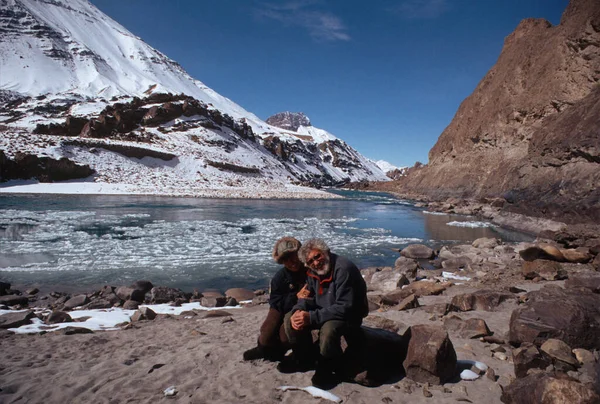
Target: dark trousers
{"points": [[330, 337], [272, 333]]}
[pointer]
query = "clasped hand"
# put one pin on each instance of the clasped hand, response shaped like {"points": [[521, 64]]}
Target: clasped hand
{"points": [[300, 319]]}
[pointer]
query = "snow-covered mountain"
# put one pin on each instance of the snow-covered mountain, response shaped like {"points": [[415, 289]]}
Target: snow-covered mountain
{"points": [[75, 84], [391, 170]]}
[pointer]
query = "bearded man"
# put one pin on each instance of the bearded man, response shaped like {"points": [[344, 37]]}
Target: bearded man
{"points": [[336, 305]]}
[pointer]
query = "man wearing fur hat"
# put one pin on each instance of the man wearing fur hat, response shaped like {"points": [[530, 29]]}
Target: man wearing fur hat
{"points": [[337, 305], [287, 285]]}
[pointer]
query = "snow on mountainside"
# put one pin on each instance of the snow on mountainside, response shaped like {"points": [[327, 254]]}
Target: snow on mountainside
{"points": [[75, 84]]}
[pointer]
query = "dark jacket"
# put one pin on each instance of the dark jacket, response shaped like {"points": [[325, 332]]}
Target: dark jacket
{"points": [[340, 295], [284, 287]]}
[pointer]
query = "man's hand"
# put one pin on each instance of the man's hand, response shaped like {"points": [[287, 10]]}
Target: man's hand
{"points": [[300, 319], [303, 293]]}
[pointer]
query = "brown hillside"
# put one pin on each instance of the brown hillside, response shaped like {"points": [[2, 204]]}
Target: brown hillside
{"points": [[531, 129]]}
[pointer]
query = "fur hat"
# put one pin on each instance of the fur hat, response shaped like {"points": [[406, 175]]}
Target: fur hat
{"points": [[285, 246]]}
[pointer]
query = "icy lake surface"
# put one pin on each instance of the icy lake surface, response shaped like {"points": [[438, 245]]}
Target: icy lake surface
{"points": [[87, 241]]}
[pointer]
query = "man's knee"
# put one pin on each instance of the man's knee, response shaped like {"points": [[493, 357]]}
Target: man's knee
{"points": [[330, 338]]}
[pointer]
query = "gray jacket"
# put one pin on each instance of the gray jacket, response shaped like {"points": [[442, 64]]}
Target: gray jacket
{"points": [[340, 295]]}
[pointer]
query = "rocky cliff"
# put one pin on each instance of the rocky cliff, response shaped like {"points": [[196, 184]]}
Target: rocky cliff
{"points": [[530, 132]]}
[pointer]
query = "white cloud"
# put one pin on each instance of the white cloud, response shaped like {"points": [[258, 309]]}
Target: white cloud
{"points": [[320, 25]]}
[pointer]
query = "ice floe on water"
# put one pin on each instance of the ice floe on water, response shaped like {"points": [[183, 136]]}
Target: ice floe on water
{"points": [[435, 213], [131, 246], [469, 224]]}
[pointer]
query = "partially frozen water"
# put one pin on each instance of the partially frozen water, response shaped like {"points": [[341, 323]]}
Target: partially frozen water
{"points": [[80, 241]]}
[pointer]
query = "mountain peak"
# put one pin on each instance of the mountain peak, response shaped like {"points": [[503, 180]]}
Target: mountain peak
{"points": [[289, 120]]}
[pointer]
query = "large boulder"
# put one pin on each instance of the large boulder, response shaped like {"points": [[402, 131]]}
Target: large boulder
{"points": [[13, 300], [571, 315], [431, 357], [143, 313], [486, 300], [417, 251], [543, 252], [545, 388]]}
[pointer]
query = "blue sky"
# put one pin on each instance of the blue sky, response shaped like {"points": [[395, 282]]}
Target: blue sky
{"points": [[385, 76]]}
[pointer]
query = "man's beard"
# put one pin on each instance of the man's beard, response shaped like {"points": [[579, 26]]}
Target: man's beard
{"points": [[324, 269]]}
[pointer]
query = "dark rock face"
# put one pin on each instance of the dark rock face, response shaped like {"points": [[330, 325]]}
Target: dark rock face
{"points": [[530, 130], [289, 120], [571, 315], [45, 169], [542, 388], [431, 357]]}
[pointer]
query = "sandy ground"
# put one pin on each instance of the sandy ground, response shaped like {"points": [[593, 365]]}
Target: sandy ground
{"points": [[202, 358]]}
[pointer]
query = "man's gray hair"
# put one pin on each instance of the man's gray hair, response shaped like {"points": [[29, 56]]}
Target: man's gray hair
{"points": [[312, 244]]}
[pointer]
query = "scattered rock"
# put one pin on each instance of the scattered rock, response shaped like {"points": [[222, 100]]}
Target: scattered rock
{"points": [[584, 356], [457, 263], [131, 305], [163, 294], [526, 357], [573, 255], [417, 251], [431, 357], [16, 319], [387, 281], [75, 330], [58, 317], [542, 251], [143, 313], [144, 286], [547, 388], [213, 301], [13, 300], [419, 288], [217, 313], [485, 242], [500, 356], [558, 350], [486, 300], [76, 301], [33, 291], [470, 328], [406, 266], [240, 294], [586, 280], [410, 302], [548, 270]]}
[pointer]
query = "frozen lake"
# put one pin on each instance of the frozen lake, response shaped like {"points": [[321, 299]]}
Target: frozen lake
{"points": [[66, 242]]}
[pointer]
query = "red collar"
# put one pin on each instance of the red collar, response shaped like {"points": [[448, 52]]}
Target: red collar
{"points": [[321, 281]]}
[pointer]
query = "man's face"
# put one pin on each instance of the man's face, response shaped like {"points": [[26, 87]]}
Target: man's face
{"points": [[318, 261], [291, 262]]}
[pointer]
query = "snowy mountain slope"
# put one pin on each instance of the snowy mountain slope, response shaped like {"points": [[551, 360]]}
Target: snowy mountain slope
{"points": [[74, 83]]}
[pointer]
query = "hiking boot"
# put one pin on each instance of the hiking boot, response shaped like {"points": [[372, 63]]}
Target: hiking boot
{"points": [[324, 379], [257, 352], [290, 364]]}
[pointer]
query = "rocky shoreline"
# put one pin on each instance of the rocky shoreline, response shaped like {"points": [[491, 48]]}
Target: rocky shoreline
{"points": [[500, 322]]}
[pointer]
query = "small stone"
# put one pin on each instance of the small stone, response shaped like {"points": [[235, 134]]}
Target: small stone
{"points": [[426, 392], [500, 355], [491, 374], [497, 348], [584, 356], [33, 291], [559, 350]]}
